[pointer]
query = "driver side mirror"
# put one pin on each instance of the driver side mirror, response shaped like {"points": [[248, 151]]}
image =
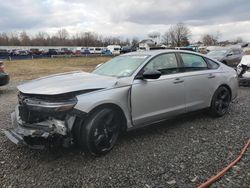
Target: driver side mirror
{"points": [[151, 74], [229, 54]]}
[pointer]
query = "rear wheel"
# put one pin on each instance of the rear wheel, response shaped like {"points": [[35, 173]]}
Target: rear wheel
{"points": [[99, 133], [220, 102]]}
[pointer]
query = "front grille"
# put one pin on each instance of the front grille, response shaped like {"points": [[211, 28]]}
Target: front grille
{"points": [[30, 116], [23, 113]]}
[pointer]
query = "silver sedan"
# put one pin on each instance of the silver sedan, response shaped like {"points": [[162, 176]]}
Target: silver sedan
{"points": [[127, 92]]}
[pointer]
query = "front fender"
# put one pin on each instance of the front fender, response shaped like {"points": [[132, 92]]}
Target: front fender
{"points": [[118, 96]]}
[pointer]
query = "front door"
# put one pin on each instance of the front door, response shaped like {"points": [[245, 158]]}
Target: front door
{"points": [[156, 99]]}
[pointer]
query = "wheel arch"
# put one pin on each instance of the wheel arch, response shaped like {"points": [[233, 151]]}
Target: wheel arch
{"points": [[116, 108], [228, 87]]}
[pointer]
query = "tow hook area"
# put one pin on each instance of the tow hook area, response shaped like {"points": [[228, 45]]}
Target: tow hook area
{"points": [[39, 135], [15, 138]]}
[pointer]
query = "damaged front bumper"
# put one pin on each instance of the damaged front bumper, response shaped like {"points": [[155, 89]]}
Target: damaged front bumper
{"points": [[38, 135]]}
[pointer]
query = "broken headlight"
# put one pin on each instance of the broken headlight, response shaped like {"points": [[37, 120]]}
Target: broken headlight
{"points": [[38, 108], [53, 106]]}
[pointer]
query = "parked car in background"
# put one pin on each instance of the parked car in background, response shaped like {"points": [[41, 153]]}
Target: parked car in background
{"points": [[4, 77], [65, 51], [85, 51], [14, 52], [91, 50], [23, 53], [127, 92], [35, 51], [115, 49], [106, 51], [4, 53], [127, 49], [77, 50], [228, 56], [98, 50], [52, 52]]}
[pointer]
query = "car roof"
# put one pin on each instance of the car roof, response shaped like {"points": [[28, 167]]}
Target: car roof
{"points": [[157, 52]]}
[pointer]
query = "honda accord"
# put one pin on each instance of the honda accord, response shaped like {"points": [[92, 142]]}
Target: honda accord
{"points": [[127, 92]]}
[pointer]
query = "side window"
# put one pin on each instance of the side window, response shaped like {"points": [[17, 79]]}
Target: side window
{"points": [[193, 62], [230, 52], [166, 64], [236, 52], [212, 64]]}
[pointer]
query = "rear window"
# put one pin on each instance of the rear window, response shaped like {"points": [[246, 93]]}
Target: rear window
{"points": [[193, 62], [236, 52], [212, 64]]}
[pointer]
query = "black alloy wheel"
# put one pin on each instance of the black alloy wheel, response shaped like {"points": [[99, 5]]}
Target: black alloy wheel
{"points": [[106, 132], [99, 133], [220, 102]]}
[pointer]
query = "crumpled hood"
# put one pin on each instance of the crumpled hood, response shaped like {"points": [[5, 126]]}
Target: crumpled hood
{"points": [[66, 83]]}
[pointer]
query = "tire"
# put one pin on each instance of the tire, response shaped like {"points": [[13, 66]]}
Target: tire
{"points": [[99, 133], [220, 102]]}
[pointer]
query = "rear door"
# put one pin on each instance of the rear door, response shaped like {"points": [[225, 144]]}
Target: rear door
{"points": [[200, 80], [156, 99]]}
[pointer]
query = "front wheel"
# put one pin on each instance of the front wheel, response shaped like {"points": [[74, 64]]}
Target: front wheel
{"points": [[220, 102], [100, 131]]}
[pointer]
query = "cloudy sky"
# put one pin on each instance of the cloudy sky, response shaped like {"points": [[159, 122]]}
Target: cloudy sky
{"points": [[128, 18]]}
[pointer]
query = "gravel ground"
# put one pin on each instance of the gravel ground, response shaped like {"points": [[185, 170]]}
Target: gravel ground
{"points": [[176, 153]]}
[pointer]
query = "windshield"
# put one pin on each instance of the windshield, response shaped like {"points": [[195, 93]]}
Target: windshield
{"points": [[122, 66], [217, 53]]}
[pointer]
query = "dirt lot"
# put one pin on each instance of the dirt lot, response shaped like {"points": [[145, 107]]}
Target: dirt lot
{"points": [[29, 69], [176, 153]]}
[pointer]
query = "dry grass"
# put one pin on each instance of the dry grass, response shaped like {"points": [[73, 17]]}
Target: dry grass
{"points": [[247, 52], [30, 69]]}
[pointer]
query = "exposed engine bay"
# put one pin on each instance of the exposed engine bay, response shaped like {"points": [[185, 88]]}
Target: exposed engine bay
{"points": [[38, 119], [242, 71]]}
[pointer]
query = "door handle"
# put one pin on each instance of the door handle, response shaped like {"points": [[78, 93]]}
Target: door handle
{"points": [[211, 76], [178, 80]]}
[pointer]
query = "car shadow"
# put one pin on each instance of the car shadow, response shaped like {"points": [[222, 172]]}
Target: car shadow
{"points": [[165, 125], [59, 153]]}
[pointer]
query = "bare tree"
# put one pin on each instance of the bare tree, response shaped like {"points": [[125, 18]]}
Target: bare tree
{"points": [[41, 39], [135, 42], [4, 39], [179, 34], [62, 34], [24, 39], [209, 39], [62, 38], [13, 39], [166, 38]]}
